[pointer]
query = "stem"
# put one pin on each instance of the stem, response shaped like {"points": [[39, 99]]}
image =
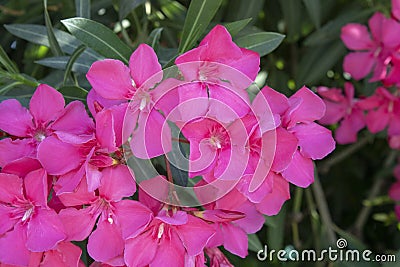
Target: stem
{"points": [[379, 181], [298, 196], [323, 209], [180, 140], [314, 218], [338, 157]]}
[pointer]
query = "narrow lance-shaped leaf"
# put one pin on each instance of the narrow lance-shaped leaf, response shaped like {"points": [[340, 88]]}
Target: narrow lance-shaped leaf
{"points": [[6, 62], [54, 46], [236, 26], [314, 11], [98, 37], [198, 17], [254, 243], [261, 42], [154, 38], [81, 65], [71, 61], [82, 8], [126, 7]]}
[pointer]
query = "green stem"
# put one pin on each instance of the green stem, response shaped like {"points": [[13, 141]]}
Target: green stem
{"points": [[298, 196]]}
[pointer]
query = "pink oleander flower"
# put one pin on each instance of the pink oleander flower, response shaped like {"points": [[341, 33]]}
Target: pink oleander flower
{"points": [[383, 111], [396, 9], [46, 116], [342, 109], [29, 225], [371, 54], [171, 237], [112, 80], [217, 69], [105, 243], [233, 217], [76, 157]]}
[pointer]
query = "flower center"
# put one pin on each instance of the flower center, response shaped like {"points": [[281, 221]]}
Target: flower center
{"points": [[40, 135], [27, 214], [207, 71], [215, 141], [160, 231]]}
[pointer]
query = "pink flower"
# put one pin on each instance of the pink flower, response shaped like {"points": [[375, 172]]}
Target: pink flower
{"points": [[344, 109], [396, 9], [112, 80], [105, 243], [29, 225], [170, 238], [371, 53], [217, 70], [383, 111], [46, 116]]}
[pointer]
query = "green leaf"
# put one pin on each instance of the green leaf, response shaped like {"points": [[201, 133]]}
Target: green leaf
{"points": [[236, 26], [37, 34], [71, 61], [198, 17], [73, 92], [292, 14], [314, 11], [54, 46], [126, 6], [154, 38], [82, 8], [7, 62], [239, 9], [179, 162], [254, 243], [81, 65], [98, 37], [276, 229], [262, 42]]}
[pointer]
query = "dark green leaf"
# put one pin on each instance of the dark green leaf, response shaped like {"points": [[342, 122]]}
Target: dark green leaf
{"points": [[240, 10], [37, 34], [276, 229], [254, 243], [72, 60], [82, 8], [262, 42], [6, 62], [154, 38], [198, 17], [292, 14], [80, 65], [236, 26], [126, 6], [98, 37], [179, 161], [73, 92], [314, 11], [54, 46]]}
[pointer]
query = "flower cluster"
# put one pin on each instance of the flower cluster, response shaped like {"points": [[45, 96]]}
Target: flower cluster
{"points": [[379, 53], [66, 175]]}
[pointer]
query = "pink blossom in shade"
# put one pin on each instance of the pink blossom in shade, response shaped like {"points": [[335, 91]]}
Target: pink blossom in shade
{"points": [[216, 148], [46, 116], [170, 238], [234, 217], [218, 69], [396, 9], [383, 110], [105, 244], [371, 54], [343, 109], [217, 258], [112, 80], [29, 225]]}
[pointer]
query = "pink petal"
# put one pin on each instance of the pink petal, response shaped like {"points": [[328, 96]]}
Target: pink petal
{"points": [[253, 221], [46, 104], [45, 230], [80, 196], [14, 118], [394, 191], [178, 218], [78, 224], [310, 108], [195, 243], [396, 9], [152, 138], [272, 203], [74, 120], [356, 37], [111, 79], [248, 63], [286, 146], [105, 243], [58, 157], [20, 148], [105, 130], [202, 158], [134, 248], [347, 131], [13, 250], [8, 222], [117, 182], [300, 171], [154, 192], [315, 141], [96, 103], [66, 254], [144, 66], [390, 33], [375, 24], [358, 64], [132, 216], [10, 188], [169, 253], [377, 120], [278, 103], [36, 187], [22, 166], [68, 182], [235, 240]]}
